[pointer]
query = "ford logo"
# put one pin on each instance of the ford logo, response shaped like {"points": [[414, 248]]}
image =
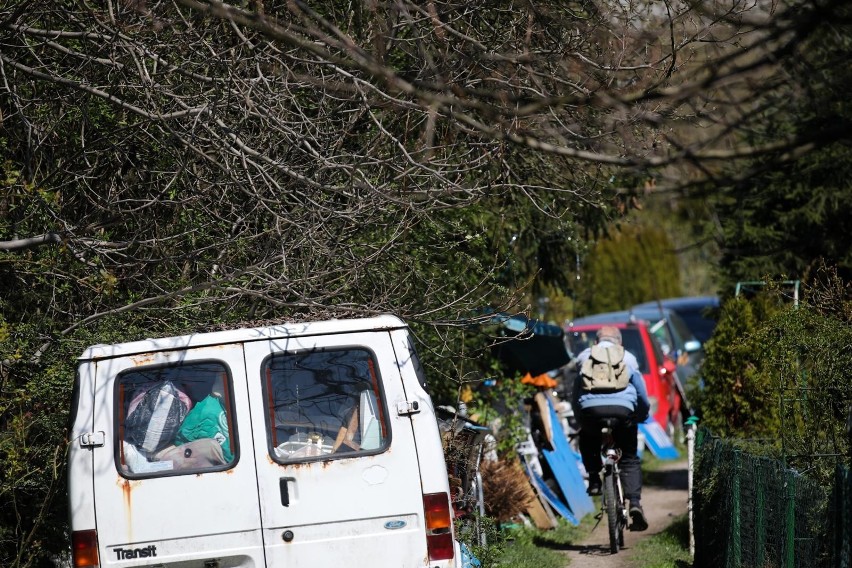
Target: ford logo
{"points": [[392, 525]]}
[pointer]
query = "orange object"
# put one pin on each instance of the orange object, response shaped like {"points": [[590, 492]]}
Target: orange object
{"points": [[543, 380]]}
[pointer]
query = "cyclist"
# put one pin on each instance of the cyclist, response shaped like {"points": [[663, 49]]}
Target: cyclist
{"points": [[631, 406]]}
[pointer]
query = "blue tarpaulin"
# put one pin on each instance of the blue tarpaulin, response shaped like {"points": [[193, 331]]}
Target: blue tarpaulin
{"points": [[658, 441], [553, 499], [531, 346], [563, 461]]}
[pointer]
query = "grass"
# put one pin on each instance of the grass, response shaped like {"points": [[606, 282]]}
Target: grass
{"points": [[668, 549], [526, 547], [533, 548]]}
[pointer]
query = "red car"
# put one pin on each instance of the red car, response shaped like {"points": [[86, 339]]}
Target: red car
{"points": [[657, 369]]}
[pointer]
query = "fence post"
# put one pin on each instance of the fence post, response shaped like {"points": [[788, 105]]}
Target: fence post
{"points": [[790, 520], [690, 453], [760, 515], [734, 543], [842, 529]]}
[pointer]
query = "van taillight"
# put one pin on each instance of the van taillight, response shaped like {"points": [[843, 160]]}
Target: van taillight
{"points": [[439, 522], [84, 546]]}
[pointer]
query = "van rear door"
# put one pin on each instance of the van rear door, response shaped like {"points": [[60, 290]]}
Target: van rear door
{"points": [[175, 481], [338, 472]]}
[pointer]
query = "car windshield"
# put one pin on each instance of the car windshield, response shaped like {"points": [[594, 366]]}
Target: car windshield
{"points": [[680, 327], [701, 327], [671, 331], [631, 338], [661, 332]]}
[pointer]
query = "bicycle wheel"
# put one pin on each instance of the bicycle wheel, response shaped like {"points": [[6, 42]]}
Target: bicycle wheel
{"points": [[611, 503], [621, 509]]}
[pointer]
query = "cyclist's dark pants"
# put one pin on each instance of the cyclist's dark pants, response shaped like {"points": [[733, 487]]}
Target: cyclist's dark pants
{"points": [[624, 435]]}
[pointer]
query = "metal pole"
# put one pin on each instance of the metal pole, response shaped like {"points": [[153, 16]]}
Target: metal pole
{"points": [[760, 518], [789, 560], [735, 538], [480, 498], [690, 452]]}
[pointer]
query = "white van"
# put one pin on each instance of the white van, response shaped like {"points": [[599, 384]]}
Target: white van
{"points": [[301, 445]]}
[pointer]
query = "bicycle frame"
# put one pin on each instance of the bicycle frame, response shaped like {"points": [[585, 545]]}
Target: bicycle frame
{"points": [[613, 503]]}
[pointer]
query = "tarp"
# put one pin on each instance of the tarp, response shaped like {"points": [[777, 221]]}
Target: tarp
{"points": [[564, 463], [658, 441], [552, 499], [530, 346], [543, 381], [551, 503]]}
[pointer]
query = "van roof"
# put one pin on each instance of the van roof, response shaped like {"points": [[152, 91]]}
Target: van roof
{"points": [[244, 334]]}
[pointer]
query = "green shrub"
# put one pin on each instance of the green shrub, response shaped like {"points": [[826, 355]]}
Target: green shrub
{"points": [[738, 396]]}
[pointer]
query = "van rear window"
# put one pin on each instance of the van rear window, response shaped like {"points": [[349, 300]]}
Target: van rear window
{"points": [[175, 419], [324, 404]]}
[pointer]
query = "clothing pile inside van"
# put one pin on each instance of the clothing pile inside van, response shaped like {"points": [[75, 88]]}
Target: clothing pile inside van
{"points": [[164, 431]]}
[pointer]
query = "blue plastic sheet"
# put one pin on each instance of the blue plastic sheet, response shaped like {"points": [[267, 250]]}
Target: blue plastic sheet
{"points": [[657, 441], [468, 560], [564, 463]]}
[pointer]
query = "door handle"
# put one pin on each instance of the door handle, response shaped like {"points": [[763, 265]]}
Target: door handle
{"points": [[283, 485]]}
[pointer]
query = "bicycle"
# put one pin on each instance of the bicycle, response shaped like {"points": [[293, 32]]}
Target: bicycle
{"points": [[613, 503]]}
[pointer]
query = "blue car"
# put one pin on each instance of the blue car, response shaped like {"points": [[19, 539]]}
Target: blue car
{"points": [[698, 312]]}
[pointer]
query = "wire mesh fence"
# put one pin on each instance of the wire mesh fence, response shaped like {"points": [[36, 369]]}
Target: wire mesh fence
{"points": [[754, 512], [840, 511]]}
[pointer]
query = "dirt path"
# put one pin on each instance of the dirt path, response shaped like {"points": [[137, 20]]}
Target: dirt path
{"points": [[663, 499]]}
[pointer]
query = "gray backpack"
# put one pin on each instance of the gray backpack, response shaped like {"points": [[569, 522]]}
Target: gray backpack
{"points": [[605, 370]]}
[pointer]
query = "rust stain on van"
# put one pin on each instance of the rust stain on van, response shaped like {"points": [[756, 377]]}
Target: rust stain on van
{"points": [[127, 491], [142, 359]]}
